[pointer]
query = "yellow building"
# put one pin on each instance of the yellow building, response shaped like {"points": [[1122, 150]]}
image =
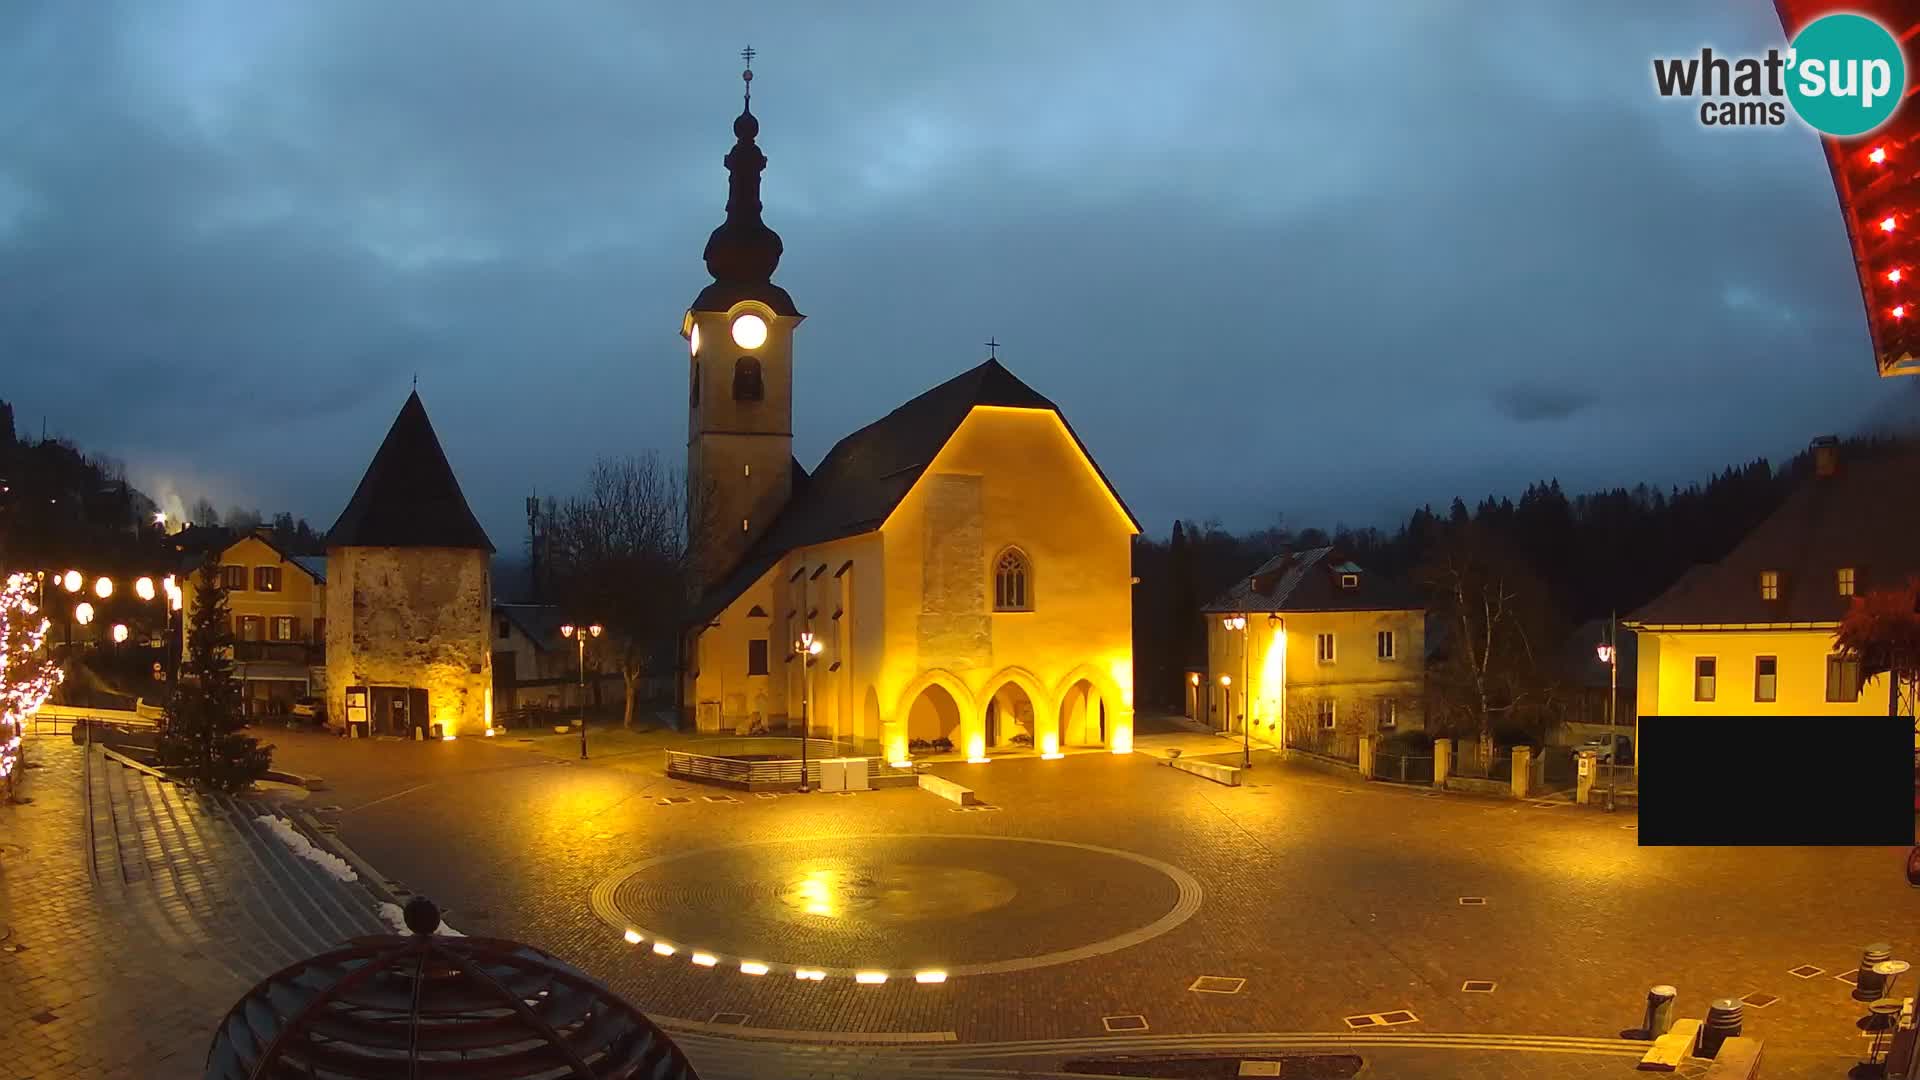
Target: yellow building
{"points": [[1323, 650], [410, 598], [278, 602], [1753, 634], [962, 566]]}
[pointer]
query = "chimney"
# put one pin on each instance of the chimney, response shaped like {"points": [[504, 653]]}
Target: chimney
{"points": [[1826, 456]]}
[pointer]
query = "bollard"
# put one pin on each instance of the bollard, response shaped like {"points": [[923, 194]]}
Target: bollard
{"points": [[1869, 984], [1723, 1023], [1660, 1010]]}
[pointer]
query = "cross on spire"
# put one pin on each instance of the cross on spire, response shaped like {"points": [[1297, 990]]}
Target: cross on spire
{"points": [[746, 76], [993, 349]]}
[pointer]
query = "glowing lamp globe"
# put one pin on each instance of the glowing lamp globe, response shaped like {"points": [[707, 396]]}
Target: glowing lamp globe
{"points": [[119, 631], [595, 629], [71, 580], [566, 630], [143, 588], [1226, 680], [1605, 652], [749, 331], [83, 614], [103, 588]]}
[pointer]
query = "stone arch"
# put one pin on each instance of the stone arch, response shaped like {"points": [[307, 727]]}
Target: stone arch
{"points": [[1094, 715], [969, 715], [1046, 719]]}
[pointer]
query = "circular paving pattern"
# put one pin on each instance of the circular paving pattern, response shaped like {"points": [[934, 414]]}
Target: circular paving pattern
{"points": [[962, 905]]}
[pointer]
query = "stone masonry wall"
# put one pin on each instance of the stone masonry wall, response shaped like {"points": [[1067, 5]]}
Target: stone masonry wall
{"points": [[415, 617]]}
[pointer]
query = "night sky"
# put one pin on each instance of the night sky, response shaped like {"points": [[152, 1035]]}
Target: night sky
{"points": [[1326, 261]]}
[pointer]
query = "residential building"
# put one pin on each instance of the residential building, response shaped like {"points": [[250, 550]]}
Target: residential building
{"points": [[1753, 634], [410, 599], [1328, 652], [962, 564], [278, 604], [535, 667]]}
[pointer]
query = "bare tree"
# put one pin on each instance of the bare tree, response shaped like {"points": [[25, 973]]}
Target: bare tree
{"points": [[1494, 670], [618, 555]]}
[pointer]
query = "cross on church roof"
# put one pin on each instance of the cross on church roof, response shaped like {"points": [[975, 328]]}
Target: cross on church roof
{"points": [[993, 349], [748, 54]]}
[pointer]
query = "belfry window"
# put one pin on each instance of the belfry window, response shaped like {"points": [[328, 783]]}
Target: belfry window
{"points": [[693, 395], [746, 380], [1012, 582]]}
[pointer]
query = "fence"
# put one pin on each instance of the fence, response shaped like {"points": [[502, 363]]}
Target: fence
{"points": [[1341, 746], [1469, 762], [760, 773], [1403, 768]]}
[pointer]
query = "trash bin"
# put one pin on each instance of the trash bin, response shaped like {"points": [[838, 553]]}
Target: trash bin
{"points": [[1660, 1010], [1869, 984], [1723, 1023]]}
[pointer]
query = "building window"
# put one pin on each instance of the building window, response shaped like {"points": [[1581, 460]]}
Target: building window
{"points": [[747, 385], [319, 631], [1845, 577], [757, 656], [1388, 713], [249, 628], [1323, 712], [282, 628], [234, 577], [1843, 679], [1766, 678], [1349, 581], [1012, 582], [1704, 668], [266, 579], [1769, 584], [1323, 648], [1385, 640], [505, 630]]}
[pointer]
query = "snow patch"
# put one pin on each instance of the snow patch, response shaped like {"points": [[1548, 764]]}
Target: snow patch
{"points": [[303, 847], [394, 916]]}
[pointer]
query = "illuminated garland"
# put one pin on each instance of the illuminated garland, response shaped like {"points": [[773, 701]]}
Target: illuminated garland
{"points": [[27, 679]]}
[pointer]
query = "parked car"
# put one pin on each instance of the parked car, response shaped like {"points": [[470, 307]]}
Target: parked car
{"points": [[310, 708], [1607, 750]]}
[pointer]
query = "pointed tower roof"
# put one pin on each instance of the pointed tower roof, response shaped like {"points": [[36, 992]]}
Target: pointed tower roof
{"points": [[409, 497], [743, 252]]}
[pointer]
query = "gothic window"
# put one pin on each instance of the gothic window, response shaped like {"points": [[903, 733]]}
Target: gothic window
{"points": [[1012, 582], [746, 380]]}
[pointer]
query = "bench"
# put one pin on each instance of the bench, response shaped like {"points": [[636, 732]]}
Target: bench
{"points": [[947, 789], [1675, 1046], [1208, 770], [1738, 1059]]}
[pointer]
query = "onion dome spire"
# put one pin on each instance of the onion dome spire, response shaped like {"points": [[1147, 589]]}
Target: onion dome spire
{"points": [[743, 251]]}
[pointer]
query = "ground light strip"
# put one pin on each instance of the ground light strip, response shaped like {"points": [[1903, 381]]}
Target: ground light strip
{"points": [[600, 899]]}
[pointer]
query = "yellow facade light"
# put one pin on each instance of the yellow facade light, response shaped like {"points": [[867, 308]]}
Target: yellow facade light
{"points": [[809, 974], [752, 967], [870, 978], [749, 331], [661, 948], [929, 976], [704, 959], [632, 936]]}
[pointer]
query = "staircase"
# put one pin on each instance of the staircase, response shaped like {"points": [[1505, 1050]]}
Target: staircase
{"points": [[208, 877]]}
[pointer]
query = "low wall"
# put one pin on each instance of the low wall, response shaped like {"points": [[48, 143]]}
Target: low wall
{"points": [[1207, 770], [1477, 786], [1323, 763], [947, 789]]}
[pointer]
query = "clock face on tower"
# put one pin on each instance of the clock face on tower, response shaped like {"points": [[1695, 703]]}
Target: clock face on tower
{"points": [[749, 331], [693, 341]]}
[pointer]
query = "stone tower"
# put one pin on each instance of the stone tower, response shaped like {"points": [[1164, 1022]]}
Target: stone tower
{"points": [[739, 334], [408, 595]]}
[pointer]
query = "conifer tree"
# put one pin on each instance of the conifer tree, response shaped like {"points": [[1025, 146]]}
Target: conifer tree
{"points": [[201, 732]]}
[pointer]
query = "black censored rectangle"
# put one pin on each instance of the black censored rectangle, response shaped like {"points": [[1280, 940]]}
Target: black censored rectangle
{"points": [[1793, 781]]}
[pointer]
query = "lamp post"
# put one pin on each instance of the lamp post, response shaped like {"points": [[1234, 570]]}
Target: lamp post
{"points": [[806, 649], [1239, 622], [580, 634], [1610, 656]]}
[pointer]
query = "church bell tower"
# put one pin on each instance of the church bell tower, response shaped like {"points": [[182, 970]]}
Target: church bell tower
{"points": [[739, 334]]}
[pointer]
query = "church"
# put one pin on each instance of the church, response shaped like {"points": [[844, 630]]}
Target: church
{"points": [[955, 575]]}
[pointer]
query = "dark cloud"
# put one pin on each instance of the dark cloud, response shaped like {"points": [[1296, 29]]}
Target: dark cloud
{"points": [[1531, 404], [1384, 239]]}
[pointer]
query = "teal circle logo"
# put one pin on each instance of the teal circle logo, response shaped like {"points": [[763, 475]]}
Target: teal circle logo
{"points": [[1845, 74]]}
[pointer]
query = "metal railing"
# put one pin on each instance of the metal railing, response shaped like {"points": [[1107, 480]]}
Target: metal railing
{"points": [[754, 772], [1403, 768]]}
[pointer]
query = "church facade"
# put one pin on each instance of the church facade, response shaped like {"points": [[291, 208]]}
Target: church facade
{"points": [[957, 574]]}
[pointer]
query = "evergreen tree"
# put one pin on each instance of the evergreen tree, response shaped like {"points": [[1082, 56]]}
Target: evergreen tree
{"points": [[201, 731]]}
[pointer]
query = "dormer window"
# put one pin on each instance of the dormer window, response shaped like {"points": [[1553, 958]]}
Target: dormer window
{"points": [[1769, 584], [1845, 580], [1349, 581]]}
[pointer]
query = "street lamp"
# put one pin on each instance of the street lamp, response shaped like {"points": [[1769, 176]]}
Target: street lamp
{"points": [[806, 649], [1239, 622], [1610, 656], [580, 634]]}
